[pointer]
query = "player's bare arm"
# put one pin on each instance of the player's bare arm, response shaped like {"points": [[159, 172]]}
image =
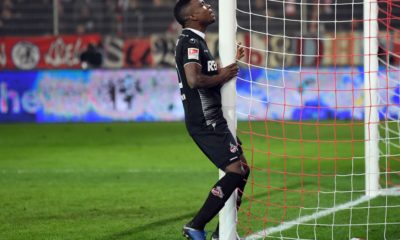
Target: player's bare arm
{"points": [[196, 79]]}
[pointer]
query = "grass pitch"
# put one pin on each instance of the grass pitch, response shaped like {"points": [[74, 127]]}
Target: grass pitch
{"points": [[144, 181]]}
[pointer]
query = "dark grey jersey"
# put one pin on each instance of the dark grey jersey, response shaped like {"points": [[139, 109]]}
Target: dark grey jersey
{"points": [[202, 105]]}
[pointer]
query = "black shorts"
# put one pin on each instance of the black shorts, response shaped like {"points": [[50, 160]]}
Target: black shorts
{"points": [[219, 145]]}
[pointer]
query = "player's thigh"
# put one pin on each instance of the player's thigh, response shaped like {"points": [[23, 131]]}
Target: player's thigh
{"points": [[219, 146]]}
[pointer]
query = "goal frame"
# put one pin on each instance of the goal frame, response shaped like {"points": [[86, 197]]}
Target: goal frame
{"points": [[371, 117], [227, 50]]}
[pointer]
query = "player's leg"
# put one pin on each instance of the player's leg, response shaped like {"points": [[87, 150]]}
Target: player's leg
{"points": [[216, 199], [246, 169], [222, 149], [219, 194], [242, 185]]}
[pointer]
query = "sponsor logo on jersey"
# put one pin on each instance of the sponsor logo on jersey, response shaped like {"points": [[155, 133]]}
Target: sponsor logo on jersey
{"points": [[217, 191], [212, 66], [193, 53], [233, 148]]}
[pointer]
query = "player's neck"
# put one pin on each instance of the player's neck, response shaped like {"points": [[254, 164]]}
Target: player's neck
{"points": [[197, 27], [197, 32]]}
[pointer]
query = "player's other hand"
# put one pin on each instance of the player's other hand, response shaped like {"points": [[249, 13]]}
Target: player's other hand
{"points": [[239, 51], [229, 71]]}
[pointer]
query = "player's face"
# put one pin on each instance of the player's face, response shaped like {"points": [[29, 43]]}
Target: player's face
{"points": [[204, 12]]}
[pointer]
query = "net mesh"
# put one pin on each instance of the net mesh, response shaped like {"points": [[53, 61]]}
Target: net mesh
{"points": [[301, 99]]}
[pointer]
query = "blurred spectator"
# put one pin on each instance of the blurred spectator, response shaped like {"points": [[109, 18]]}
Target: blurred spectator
{"points": [[157, 3], [134, 4], [6, 14], [121, 9], [163, 3], [113, 16], [317, 14], [290, 8], [83, 16], [92, 57], [260, 6], [396, 47], [327, 6]]}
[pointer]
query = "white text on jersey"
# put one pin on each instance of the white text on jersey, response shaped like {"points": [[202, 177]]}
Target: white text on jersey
{"points": [[212, 66]]}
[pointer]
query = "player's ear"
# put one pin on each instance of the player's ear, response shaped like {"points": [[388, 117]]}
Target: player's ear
{"points": [[193, 17]]}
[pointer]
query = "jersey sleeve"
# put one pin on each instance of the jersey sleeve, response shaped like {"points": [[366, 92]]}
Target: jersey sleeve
{"points": [[191, 51]]}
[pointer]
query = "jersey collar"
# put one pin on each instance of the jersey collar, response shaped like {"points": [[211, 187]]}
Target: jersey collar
{"points": [[201, 34]]}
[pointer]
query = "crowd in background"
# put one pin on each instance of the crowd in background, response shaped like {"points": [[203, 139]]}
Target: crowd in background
{"points": [[143, 17], [27, 17]]}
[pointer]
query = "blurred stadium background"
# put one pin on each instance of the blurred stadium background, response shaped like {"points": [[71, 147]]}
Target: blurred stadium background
{"points": [[111, 62], [125, 43]]}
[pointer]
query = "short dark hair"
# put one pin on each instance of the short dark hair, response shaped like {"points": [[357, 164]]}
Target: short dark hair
{"points": [[179, 11]]}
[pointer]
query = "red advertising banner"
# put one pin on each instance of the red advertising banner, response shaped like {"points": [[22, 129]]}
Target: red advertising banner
{"points": [[46, 52], [396, 48], [63, 52], [127, 53], [138, 53]]}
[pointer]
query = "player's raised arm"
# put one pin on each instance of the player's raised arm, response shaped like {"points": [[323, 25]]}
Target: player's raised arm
{"points": [[196, 79]]}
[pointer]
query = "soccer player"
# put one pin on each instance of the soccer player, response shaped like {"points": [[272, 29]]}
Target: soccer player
{"points": [[200, 81]]}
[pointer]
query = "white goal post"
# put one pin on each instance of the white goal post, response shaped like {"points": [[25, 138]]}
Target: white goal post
{"points": [[227, 51], [371, 118]]}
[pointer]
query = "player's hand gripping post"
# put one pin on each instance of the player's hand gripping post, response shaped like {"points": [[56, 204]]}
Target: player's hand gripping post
{"points": [[231, 71], [239, 51]]}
